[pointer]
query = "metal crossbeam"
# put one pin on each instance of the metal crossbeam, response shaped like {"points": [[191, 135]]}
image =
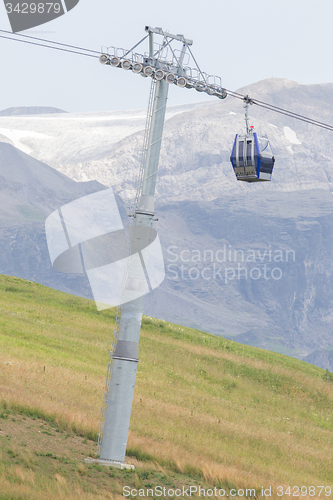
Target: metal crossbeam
{"points": [[164, 63], [159, 31]]}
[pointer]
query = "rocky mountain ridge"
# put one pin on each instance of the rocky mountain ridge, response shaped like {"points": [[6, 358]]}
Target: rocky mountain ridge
{"points": [[30, 110]]}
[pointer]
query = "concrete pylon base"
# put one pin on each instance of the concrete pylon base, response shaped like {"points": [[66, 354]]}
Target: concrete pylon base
{"points": [[109, 463]]}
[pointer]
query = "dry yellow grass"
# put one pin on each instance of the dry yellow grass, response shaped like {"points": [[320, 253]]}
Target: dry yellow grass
{"points": [[207, 407]]}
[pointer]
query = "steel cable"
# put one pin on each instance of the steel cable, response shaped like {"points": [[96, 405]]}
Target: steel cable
{"points": [[90, 53]]}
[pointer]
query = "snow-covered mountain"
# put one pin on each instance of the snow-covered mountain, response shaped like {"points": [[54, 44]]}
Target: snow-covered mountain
{"points": [[65, 140], [196, 144], [205, 215]]}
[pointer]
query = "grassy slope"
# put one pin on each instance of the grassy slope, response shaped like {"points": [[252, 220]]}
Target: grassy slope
{"points": [[204, 407]]}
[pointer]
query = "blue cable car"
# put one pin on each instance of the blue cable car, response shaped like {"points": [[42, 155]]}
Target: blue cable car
{"points": [[252, 158]]}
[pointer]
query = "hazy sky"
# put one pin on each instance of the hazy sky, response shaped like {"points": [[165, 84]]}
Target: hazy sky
{"points": [[243, 41]]}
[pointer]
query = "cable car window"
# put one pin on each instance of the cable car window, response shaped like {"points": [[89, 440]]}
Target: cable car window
{"points": [[241, 150], [249, 151]]}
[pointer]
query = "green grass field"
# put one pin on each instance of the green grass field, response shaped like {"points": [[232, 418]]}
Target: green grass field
{"points": [[206, 411]]}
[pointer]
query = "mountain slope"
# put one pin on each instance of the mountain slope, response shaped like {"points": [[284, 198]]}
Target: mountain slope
{"points": [[264, 418], [25, 180], [29, 192], [202, 208], [257, 269]]}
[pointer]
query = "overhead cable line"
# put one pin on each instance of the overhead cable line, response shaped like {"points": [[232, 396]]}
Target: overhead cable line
{"points": [[90, 53], [277, 109], [50, 46], [49, 41], [296, 117], [291, 113]]}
